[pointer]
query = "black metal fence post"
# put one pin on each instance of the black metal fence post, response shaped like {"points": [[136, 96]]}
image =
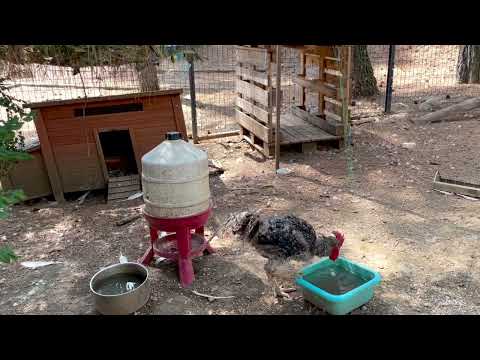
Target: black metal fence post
{"points": [[391, 65], [193, 100]]}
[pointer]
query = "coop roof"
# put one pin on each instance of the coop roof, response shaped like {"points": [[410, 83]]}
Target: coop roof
{"points": [[103, 98]]}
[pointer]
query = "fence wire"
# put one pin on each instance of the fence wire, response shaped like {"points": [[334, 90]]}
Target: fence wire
{"points": [[420, 71]]}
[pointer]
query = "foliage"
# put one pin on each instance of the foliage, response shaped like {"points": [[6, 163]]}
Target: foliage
{"points": [[7, 255], [11, 144]]}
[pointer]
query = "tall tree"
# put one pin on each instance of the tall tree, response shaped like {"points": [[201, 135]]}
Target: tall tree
{"points": [[364, 82], [468, 65]]}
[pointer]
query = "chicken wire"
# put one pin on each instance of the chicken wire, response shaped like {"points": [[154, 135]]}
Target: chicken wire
{"points": [[214, 77], [420, 71]]}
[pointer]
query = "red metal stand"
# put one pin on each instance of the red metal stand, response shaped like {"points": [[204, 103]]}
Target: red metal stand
{"points": [[182, 246]]}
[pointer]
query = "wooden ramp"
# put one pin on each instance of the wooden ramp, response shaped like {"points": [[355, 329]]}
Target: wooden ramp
{"points": [[293, 131], [121, 187]]}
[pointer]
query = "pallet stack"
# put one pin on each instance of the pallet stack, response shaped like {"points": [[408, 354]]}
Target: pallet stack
{"points": [[304, 129], [255, 96], [328, 116]]}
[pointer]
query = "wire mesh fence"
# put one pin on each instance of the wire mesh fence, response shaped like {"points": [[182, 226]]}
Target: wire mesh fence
{"points": [[420, 71], [214, 77]]}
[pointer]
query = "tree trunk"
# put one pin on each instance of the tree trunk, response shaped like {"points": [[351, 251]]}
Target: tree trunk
{"points": [[147, 73], [363, 79], [468, 65]]}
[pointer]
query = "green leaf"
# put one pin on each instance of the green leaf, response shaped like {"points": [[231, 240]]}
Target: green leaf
{"points": [[7, 255], [8, 198]]}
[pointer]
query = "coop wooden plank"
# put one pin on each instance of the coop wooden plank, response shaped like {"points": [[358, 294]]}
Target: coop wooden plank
{"points": [[249, 123], [49, 158], [333, 72], [253, 75], [333, 101], [116, 190], [334, 59], [123, 178], [333, 116], [252, 92], [315, 86], [252, 109], [119, 184], [262, 150], [324, 124], [103, 98], [252, 56], [122, 195]]}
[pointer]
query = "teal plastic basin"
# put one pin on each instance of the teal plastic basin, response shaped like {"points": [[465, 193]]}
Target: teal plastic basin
{"points": [[346, 302]]}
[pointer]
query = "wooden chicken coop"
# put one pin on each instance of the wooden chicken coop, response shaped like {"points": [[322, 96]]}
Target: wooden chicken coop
{"points": [[29, 175], [98, 143], [300, 125]]}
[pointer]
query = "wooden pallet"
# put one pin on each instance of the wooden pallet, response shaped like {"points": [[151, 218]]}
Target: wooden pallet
{"points": [[120, 188], [294, 132], [256, 100]]}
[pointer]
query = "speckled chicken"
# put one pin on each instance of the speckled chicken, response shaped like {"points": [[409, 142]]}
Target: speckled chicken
{"points": [[286, 241]]}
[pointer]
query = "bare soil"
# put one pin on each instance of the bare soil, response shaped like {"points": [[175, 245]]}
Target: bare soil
{"points": [[423, 243]]}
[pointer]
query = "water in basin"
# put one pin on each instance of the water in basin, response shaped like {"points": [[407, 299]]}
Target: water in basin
{"points": [[119, 284], [335, 279]]}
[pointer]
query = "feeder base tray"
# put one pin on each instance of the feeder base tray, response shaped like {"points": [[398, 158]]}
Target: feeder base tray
{"points": [[181, 245]]}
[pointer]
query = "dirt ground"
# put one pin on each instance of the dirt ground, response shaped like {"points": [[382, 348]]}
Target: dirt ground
{"points": [[423, 243]]}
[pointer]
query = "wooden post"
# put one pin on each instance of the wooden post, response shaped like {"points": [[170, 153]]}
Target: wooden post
{"points": [[303, 72], [49, 158], [279, 109], [345, 85], [193, 100], [267, 144]]}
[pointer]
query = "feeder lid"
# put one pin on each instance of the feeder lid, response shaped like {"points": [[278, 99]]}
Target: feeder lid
{"points": [[173, 135]]}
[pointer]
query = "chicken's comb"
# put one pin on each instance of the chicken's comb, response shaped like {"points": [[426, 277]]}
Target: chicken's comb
{"points": [[339, 236]]}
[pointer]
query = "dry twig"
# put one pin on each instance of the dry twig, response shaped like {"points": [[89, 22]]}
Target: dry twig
{"points": [[211, 297]]}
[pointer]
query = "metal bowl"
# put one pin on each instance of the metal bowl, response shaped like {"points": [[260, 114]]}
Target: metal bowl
{"points": [[124, 303]]}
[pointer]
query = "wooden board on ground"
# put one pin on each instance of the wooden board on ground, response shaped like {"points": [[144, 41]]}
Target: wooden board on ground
{"points": [[455, 186], [447, 113]]}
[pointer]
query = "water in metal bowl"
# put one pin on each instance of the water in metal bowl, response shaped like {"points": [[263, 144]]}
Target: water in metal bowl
{"points": [[121, 288]]}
